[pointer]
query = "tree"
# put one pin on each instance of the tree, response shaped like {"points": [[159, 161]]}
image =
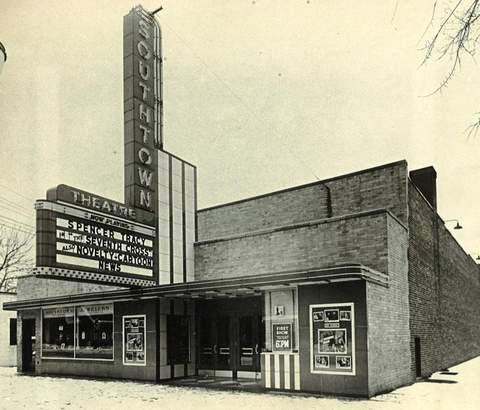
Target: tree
{"points": [[455, 34], [15, 256]]}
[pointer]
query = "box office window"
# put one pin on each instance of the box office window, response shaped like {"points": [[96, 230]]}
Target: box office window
{"points": [[58, 338], [81, 332], [178, 346], [94, 332]]}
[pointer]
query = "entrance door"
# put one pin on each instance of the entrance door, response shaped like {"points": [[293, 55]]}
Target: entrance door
{"points": [[223, 348], [228, 338], [28, 345], [248, 353], [215, 334], [418, 358]]}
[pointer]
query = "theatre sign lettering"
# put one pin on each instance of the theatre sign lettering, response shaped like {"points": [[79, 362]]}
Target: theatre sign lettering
{"points": [[84, 235], [142, 108]]}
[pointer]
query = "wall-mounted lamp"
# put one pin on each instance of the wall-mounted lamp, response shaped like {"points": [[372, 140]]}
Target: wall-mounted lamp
{"points": [[3, 56], [457, 226]]}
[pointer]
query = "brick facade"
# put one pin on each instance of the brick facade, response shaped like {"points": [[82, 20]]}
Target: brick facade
{"points": [[388, 318], [444, 291], [299, 247], [32, 287], [376, 188]]}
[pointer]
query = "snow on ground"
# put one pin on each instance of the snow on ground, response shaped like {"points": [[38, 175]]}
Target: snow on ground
{"points": [[442, 391]]}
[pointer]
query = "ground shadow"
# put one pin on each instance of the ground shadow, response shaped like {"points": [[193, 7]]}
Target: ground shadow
{"points": [[439, 381]]}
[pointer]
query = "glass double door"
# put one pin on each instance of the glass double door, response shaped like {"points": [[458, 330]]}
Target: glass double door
{"points": [[229, 340]]}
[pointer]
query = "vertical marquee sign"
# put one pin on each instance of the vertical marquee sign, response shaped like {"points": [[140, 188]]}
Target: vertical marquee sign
{"points": [[142, 109]]}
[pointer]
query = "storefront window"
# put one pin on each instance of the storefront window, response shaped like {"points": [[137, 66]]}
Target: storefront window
{"points": [[58, 332], [94, 332]]}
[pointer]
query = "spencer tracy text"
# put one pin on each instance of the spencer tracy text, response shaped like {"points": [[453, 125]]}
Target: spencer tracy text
{"points": [[107, 232]]}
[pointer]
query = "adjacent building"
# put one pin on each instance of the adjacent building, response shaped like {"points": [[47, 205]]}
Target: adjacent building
{"points": [[8, 332]]}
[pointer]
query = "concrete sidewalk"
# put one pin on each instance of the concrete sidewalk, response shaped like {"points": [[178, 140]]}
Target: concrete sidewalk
{"points": [[457, 389]]}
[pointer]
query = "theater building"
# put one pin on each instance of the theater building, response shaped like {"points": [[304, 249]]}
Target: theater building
{"points": [[351, 285]]}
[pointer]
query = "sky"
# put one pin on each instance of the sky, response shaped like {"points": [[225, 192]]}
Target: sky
{"points": [[259, 95]]}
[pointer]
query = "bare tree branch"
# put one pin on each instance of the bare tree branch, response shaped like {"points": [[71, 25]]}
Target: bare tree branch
{"points": [[15, 256], [458, 34]]}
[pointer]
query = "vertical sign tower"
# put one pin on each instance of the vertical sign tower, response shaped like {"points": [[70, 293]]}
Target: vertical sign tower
{"points": [[142, 110], [160, 186], [149, 239]]}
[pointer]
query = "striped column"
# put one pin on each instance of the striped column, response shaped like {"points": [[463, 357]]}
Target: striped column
{"points": [[281, 371]]}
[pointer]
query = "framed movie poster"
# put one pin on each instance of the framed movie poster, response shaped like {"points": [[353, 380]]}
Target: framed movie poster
{"points": [[134, 340], [332, 339]]}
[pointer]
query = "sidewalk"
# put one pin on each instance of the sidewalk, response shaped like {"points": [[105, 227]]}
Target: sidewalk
{"points": [[457, 389]]}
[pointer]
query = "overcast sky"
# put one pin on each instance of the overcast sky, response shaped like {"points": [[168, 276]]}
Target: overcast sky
{"points": [[260, 95]]}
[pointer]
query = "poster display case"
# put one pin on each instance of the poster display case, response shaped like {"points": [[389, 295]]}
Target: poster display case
{"points": [[134, 340], [332, 339]]}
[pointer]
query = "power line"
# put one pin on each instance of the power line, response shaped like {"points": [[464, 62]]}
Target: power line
{"points": [[16, 211], [16, 228], [16, 193], [3, 199], [10, 220]]}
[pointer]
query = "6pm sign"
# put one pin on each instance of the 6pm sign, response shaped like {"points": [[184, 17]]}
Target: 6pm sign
{"points": [[281, 336]]}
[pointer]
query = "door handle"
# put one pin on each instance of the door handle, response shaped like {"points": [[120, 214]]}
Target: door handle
{"points": [[215, 349], [256, 348]]}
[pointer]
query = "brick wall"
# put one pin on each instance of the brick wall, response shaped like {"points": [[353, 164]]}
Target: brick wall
{"points": [[297, 205], [388, 318], [376, 188], [355, 239], [423, 281], [33, 287], [382, 187], [444, 291], [459, 296]]}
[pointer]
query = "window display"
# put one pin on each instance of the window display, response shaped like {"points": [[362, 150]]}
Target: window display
{"points": [[94, 332], [332, 339], [82, 332], [134, 340], [58, 332]]}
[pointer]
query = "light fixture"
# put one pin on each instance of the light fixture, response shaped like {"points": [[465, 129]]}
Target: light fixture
{"points": [[457, 226], [3, 56]]}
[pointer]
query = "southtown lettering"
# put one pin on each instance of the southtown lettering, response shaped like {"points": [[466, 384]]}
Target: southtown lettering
{"points": [[145, 114]]}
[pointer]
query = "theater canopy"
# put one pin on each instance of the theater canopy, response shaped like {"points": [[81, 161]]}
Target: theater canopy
{"points": [[219, 288]]}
